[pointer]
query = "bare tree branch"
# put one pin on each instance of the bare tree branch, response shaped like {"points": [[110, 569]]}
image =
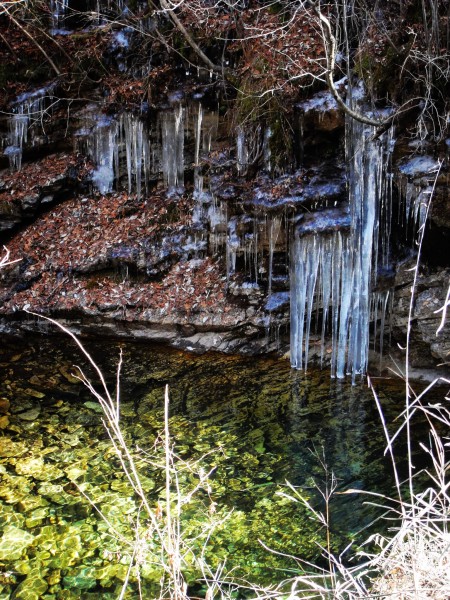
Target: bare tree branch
{"points": [[48, 58], [331, 53], [190, 40]]}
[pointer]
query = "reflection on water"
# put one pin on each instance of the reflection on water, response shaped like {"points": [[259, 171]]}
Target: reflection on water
{"points": [[263, 422]]}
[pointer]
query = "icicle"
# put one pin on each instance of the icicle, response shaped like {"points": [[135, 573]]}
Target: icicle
{"points": [[336, 283], [313, 258], [344, 299], [137, 150], [27, 112], [58, 11], [217, 220], [172, 129], [233, 245], [241, 151], [384, 308], [327, 281], [198, 178], [381, 306], [415, 184], [274, 231], [19, 128], [255, 249], [383, 242], [129, 138], [413, 207], [102, 147], [267, 152], [210, 127]]}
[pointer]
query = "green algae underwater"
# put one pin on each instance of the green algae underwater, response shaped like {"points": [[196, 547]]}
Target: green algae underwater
{"points": [[253, 423]]}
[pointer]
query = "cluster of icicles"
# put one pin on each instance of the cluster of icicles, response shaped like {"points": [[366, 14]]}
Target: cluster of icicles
{"points": [[125, 145], [25, 123], [333, 270], [335, 253], [60, 10]]}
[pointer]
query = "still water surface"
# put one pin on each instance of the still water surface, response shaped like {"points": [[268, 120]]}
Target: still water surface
{"points": [[255, 421]]}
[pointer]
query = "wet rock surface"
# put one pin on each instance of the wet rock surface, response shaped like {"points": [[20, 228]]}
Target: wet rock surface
{"points": [[157, 227]]}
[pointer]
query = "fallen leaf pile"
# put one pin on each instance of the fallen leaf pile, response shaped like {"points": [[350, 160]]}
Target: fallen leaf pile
{"points": [[37, 175], [92, 253]]}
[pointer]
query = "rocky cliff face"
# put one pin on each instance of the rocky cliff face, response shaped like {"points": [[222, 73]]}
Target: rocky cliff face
{"points": [[176, 221]]}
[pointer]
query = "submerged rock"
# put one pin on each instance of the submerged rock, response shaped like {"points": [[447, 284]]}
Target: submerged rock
{"points": [[31, 588], [4, 405], [14, 542], [30, 415], [38, 469], [9, 447]]}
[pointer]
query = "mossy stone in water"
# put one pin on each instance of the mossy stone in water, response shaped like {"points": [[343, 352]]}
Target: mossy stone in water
{"points": [[56, 494], [9, 448], [38, 469], [122, 485], [36, 517], [74, 473], [30, 503], [151, 571], [150, 401], [95, 406], [15, 488], [4, 405], [11, 517], [54, 577], [30, 415], [118, 506], [79, 582], [68, 595], [31, 588], [127, 409], [71, 439], [69, 373], [13, 543], [7, 579], [71, 542]]}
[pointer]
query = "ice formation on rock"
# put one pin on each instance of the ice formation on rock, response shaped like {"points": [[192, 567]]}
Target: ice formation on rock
{"points": [[27, 116], [333, 262]]}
